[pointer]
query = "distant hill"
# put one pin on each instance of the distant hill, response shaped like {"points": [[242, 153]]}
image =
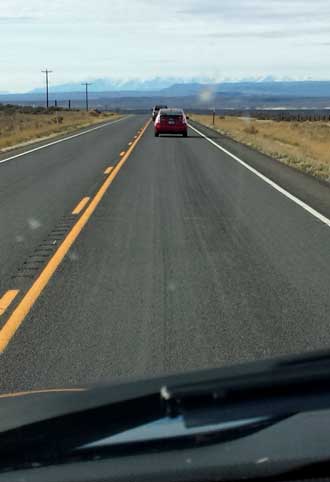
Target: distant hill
{"points": [[247, 94], [191, 88], [307, 88], [115, 85]]}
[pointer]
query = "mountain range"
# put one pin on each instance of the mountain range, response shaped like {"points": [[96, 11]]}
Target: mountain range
{"points": [[123, 85], [137, 94], [107, 84], [172, 86]]}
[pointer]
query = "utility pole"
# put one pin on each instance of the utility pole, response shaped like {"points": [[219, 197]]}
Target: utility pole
{"points": [[86, 84], [47, 83]]}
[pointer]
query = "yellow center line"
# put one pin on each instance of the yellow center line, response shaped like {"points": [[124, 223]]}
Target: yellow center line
{"points": [[7, 299], [80, 206], [122, 153], [108, 170], [23, 308], [46, 390]]}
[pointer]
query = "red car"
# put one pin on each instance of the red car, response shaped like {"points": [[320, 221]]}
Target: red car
{"points": [[171, 121]]}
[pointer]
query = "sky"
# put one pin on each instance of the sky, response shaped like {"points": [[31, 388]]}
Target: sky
{"points": [[123, 39]]}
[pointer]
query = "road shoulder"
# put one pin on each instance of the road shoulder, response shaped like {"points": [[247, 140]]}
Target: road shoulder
{"points": [[312, 191], [26, 148]]}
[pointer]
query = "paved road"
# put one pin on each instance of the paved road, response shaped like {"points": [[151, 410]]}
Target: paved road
{"points": [[37, 190], [189, 260]]}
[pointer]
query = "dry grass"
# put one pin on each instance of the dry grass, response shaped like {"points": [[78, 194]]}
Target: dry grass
{"points": [[304, 145], [18, 127]]}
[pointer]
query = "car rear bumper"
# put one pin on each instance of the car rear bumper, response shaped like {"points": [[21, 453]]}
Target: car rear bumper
{"points": [[171, 130]]}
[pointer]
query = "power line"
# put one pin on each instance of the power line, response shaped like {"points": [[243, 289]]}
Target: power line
{"points": [[47, 84], [86, 84]]}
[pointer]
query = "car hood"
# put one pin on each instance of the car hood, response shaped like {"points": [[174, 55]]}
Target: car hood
{"points": [[26, 407]]}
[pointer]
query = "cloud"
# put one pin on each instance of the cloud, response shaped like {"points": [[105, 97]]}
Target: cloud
{"points": [[271, 10], [322, 44], [279, 33], [80, 39], [16, 20]]}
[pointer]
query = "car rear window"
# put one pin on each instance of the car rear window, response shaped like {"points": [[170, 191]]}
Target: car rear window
{"points": [[172, 113]]}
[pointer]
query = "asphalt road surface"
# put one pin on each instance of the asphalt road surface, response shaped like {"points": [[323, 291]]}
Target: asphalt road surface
{"points": [[182, 256]]}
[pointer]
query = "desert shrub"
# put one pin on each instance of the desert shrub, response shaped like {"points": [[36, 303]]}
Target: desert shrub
{"points": [[251, 129]]}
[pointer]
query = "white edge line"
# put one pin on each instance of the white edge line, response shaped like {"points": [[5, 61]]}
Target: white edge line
{"points": [[290, 196], [62, 140]]}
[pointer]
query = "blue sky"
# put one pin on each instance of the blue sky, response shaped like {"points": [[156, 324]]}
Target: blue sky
{"points": [[86, 39]]}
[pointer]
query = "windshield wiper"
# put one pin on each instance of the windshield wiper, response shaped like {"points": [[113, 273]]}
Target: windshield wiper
{"points": [[253, 398], [276, 390]]}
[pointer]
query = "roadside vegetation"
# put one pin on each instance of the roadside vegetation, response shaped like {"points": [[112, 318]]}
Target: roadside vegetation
{"points": [[304, 145], [19, 125]]}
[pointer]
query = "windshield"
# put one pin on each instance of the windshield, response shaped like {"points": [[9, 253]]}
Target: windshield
{"points": [[133, 248]]}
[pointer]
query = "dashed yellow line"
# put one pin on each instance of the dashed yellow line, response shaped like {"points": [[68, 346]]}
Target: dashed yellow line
{"points": [[108, 170], [80, 206], [23, 308], [7, 299]]}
